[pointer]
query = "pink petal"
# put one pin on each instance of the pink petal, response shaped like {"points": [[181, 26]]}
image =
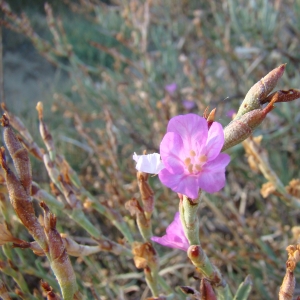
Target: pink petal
{"points": [[169, 243], [191, 128], [171, 148], [180, 183], [212, 182], [176, 227], [218, 164], [174, 237], [171, 88], [212, 179], [215, 141]]}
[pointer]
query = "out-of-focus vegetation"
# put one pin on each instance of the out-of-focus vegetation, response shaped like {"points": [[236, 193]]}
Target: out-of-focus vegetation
{"points": [[119, 58]]}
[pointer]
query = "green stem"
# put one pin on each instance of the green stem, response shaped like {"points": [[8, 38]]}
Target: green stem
{"points": [[188, 209], [151, 282]]}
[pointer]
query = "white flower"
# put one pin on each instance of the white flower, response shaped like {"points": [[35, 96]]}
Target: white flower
{"points": [[150, 163]]}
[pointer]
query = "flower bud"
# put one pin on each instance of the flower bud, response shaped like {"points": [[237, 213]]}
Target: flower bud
{"points": [[44, 131], [146, 193], [206, 290], [260, 90], [18, 154], [241, 128], [60, 262], [22, 203]]}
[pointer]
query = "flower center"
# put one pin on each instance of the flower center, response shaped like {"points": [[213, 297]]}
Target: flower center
{"points": [[194, 163]]}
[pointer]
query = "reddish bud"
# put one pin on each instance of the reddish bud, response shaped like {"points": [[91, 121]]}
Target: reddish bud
{"points": [[260, 90], [195, 252], [206, 290], [18, 154], [241, 128]]}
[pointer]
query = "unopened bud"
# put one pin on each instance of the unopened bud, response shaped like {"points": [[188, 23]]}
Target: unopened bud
{"points": [[18, 154], [60, 262], [206, 290], [260, 90], [44, 131], [146, 193], [195, 253], [241, 128], [22, 203]]}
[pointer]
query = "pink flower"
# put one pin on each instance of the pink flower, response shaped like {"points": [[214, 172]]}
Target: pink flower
{"points": [[175, 237], [191, 156], [171, 88], [188, 104], [230, 113]]}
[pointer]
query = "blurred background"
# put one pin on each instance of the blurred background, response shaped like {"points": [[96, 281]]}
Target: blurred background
{"points": [[112, 73]]}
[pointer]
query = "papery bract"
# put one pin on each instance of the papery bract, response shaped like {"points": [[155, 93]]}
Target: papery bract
{"points": [[175, 237], [150, 163], [191, 156]]}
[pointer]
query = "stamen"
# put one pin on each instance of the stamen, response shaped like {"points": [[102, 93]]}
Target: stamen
{"points": [[198, 167], [202, 158], [192, 153], [187, 161], [190, 168]]}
